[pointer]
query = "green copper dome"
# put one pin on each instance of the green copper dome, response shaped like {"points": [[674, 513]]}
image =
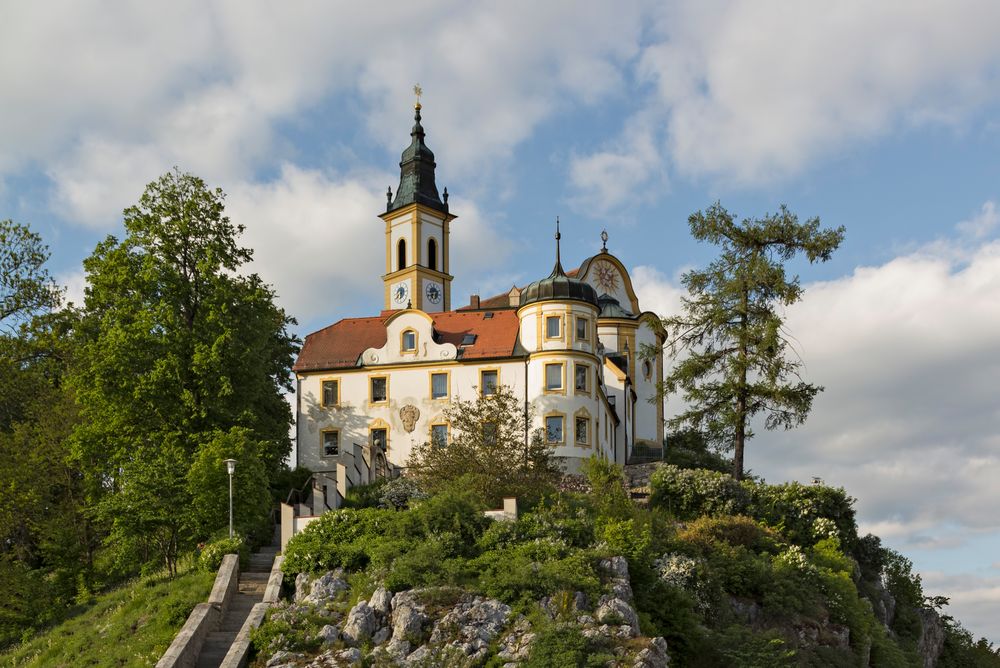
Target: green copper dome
{"points": [[416, 174], [558, 286]]}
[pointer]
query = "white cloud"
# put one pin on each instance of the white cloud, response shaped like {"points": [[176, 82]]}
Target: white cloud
{"points": [[983, 223], [629, 170], [750, 92], [205, 85], [319, 241], [974, 600]]}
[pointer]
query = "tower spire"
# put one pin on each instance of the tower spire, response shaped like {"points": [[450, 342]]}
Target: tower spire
{"points": [[416, 168], [557, 270]]}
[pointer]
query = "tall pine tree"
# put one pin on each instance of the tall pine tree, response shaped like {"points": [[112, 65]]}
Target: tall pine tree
{"points": [[730, 328]]}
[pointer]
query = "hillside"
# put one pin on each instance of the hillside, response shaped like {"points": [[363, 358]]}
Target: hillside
{"points": [[712, 573], [131, 625]]}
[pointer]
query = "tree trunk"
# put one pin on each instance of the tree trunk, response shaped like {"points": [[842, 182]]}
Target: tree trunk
{"points": [[741, 392]]}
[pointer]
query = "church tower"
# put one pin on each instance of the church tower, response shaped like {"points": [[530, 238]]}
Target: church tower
{"points": [[416, 232]]}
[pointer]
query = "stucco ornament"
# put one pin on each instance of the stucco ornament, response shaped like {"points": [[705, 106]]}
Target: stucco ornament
{"points": [[409, 414]]}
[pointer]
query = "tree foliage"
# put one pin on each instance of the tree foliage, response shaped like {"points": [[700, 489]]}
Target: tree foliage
{"points": [[731, 328], [176, 346], [25, 285], [491, 450]]}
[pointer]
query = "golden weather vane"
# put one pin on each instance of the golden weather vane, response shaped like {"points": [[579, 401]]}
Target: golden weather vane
{"points": [[418, 91]]}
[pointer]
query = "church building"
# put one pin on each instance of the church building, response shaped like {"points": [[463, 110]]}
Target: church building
{"points": [[371, 388]]}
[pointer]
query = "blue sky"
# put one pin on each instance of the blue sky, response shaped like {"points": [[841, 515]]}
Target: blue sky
{"points": [[879, 117]]}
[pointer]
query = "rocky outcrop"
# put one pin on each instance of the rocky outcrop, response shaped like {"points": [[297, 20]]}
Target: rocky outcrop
{"points": [[931, 640], [432, 627]]}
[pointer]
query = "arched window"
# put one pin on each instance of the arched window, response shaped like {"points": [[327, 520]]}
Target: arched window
{"points": [[432, 254], [401, 254]]}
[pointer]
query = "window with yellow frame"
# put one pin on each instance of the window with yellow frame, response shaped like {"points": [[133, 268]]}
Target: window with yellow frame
{"points": [[440, 382], [378, 389], [553, 327], [581, 430], [439, 435], [408, 341], [329, 392], [581, 378], [554, 377], [582, 329], [554, 429], [488, 381]]}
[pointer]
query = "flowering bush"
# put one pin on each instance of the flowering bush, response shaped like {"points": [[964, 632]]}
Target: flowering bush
{"points": [[689, 493], [399, 492]]}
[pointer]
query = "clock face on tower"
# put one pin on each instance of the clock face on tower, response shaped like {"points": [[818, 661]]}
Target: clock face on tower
{"points": [[606, 276], [433, 293], [400, 293]]}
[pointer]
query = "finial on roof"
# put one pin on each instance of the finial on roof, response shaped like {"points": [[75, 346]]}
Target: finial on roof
{"points": [[388, 198], [418, 91], [558, 270], [446, 194], [409, 305], [604, 241]]}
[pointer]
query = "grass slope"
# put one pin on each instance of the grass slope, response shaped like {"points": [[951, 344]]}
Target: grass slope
{"points": [[129, 626]]}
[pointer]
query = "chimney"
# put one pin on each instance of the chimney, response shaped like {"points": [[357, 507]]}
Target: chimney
{"points": [[474, 301]]}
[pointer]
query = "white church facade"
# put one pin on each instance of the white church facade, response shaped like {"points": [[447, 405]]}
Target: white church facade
{"points": [[369, 389]]}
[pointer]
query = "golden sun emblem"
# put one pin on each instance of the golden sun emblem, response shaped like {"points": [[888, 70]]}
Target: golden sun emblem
{"points": [[606, 276]]}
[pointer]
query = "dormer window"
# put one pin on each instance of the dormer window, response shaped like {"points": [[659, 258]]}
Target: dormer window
{"points": [[409, 341], [468, 339]]}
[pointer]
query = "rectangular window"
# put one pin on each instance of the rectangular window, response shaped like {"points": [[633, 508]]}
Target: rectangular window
{"points": [[379, 390], [487, 382], [380, 439], [439, 385], [331, 393], [582, 327], [553, 377], [582, 374], [554, 429], [409, 340], [582, 427], [552, 327], [439, 435], [331, 443]]}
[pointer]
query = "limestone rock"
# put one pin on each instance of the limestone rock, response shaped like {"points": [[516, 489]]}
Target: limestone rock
{"points": [[472, 625], [328, 635], [655, 655], [616, 611], [337, 659], [320, 590], [931, 640], [381, 601], [616, 567], [282, 658], [381, 635], [408, 617], [360, 624]]}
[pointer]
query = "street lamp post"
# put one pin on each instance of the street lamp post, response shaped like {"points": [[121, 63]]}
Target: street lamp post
{"points": [[230, 467]]}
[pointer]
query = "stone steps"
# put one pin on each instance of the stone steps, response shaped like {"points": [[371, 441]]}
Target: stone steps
{"points": [[251, 586]]}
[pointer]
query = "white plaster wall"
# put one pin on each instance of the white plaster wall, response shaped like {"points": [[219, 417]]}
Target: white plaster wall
{"points": [[646, 427]]}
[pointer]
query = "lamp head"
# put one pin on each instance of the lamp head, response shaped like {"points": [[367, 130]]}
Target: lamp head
{"points": [[230, 465]]}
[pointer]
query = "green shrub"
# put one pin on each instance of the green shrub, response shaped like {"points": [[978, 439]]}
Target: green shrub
{"points": [[630, 538], [525, 572], [211, 555], [399, 493], [706, 532], [794, 509], [339, 538], [365, 496], [739, 646], [690, 493], [564, 646]]}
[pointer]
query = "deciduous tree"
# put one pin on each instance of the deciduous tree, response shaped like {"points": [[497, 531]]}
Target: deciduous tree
{"points": [[731, 328], [177, 345], [488, 451]]}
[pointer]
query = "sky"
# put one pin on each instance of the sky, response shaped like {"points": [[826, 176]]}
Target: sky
{"points": [[625, 116]]}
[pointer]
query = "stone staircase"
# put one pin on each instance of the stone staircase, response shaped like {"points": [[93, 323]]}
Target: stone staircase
{"points": [[252, 583], [637, 478]]}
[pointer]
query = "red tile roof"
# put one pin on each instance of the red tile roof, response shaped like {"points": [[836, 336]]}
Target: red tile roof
{"points": [[340, 345]]}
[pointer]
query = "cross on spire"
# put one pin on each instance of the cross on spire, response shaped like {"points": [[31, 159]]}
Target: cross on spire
{"points": [[418, 91]]}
